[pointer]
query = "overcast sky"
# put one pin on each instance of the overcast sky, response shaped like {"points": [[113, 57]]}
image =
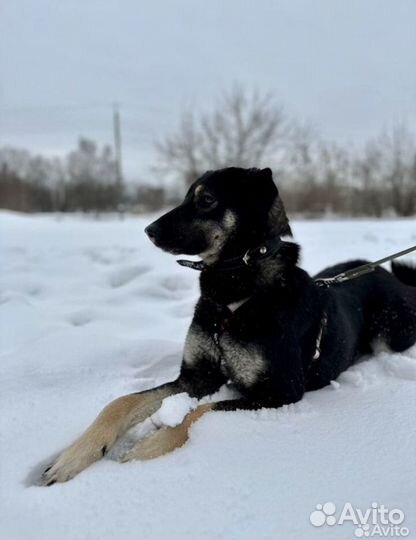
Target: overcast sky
{"points": [[346, 66]]}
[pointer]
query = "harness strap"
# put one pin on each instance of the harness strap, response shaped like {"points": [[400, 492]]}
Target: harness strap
{"points": [[324, 322], [231, 309]]}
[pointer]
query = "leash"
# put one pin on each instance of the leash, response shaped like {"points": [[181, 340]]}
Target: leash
{"points": [[360, 270]]}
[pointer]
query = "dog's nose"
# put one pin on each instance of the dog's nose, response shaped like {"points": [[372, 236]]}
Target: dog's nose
{"points": [[151, 231]]}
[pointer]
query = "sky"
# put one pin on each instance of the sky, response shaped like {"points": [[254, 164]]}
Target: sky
{"points": [[348, 68]]}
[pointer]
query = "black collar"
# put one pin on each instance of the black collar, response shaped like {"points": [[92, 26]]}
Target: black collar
{"points": [[268, 248]]}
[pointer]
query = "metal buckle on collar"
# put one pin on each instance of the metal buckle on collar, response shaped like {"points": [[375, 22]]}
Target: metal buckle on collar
{"points": [[262, 250]]}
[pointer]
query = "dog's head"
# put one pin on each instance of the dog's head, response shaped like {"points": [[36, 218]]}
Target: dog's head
{"points": [[227, 210]]}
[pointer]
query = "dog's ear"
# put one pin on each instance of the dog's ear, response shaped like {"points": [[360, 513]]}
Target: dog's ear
{"points": [[278, 221], [265, 188], [267, 177]]}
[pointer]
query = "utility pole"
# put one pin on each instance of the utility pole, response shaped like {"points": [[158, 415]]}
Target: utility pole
{"points": [[117, 149]]}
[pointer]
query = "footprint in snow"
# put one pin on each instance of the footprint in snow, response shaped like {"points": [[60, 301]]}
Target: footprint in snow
{"points": [[184, 310], [33, 290], [125, 275], [80, 318], [176, 284]]}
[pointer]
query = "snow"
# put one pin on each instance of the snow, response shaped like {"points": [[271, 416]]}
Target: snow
{"points": [[174, 409], [90, 310]]}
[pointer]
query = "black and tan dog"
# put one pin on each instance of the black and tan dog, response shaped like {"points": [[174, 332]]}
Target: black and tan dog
{"points": [[261, 322]]}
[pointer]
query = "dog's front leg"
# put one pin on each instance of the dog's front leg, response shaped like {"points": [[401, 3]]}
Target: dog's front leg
{"points": [[113, 421]]}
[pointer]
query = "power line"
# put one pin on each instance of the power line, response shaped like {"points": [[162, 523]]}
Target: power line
{"points": [[48, 108], [117, 145], [83, 106]]}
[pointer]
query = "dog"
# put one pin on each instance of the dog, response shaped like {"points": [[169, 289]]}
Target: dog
{"points": [[261, 322]]}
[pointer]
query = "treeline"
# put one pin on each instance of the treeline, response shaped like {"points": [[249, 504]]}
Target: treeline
{"points": [[243, 129], [374, 180], [85, 180]]}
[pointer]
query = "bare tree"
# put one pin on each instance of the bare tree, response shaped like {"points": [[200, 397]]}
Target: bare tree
{"points": [[398, 151], [316, 177], [92, 179], [369, 192], [244, 130]]}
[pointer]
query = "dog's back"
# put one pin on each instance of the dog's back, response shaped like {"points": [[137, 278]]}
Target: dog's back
{"points": [[404, 273], [387, 302]]}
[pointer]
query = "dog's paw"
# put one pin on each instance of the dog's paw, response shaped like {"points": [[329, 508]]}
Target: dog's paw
{"points": [[71, 462], [159, 443]]}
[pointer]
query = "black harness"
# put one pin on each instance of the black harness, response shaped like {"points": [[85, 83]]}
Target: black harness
{"points": [[270, 248]]}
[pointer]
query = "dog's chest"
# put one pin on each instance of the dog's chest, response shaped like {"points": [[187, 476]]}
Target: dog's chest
{"points": [[244, 364]]}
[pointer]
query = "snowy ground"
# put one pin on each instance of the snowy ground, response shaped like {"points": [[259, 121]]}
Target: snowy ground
{"points": [[90, 310]]}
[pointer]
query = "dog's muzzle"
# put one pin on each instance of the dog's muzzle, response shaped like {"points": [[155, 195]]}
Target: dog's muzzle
{"points": [[152, 232]]}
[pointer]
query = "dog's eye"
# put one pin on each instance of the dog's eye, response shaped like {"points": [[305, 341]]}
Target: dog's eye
{"points": [[206, 201]]}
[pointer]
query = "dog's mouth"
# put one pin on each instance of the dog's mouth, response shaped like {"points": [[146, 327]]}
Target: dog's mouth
{"points": [[179, 242], [167, 249], [172, 251]]}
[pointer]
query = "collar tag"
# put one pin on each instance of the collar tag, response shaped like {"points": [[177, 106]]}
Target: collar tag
{"points": [[195, 265]]}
